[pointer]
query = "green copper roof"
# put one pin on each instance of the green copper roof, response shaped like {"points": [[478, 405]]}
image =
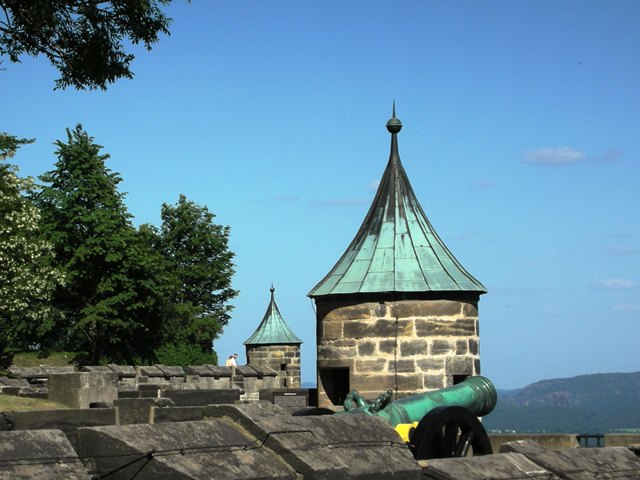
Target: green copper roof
{"points": [[273, 329], [396, 248]]}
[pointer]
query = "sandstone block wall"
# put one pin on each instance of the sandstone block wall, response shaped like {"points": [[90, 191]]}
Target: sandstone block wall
{"points": [[284, 359], [407, 346]]}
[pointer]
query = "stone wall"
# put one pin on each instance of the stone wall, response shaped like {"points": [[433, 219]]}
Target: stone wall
{"points": [[407, 346], [284, 359]]}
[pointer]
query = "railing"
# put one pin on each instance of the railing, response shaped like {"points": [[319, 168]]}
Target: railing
{"points": [[590, 439]]}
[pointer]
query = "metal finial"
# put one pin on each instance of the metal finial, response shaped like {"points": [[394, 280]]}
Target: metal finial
{"points": [[272, 289], [394, 125]]}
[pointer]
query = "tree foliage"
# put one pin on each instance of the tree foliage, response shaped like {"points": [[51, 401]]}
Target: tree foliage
{"points": [[27, 277], [84, 39], [196, 253], [108, 305], [130, 295]]}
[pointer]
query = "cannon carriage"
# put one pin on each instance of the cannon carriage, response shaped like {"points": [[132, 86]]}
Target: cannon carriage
{"points": [[437, 424]]}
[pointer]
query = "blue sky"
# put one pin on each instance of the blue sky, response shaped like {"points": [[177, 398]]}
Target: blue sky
{"points": [[521, 139]]}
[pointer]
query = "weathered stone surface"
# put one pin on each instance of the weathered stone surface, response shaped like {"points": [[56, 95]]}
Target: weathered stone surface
{"points": [[473, 346], [177, 414], [213, 449], [415, 347], [459, 366], [52, 370], [403, 366], [123, 371], [332, 329], [151, 371], [392, 328], [28, 372], [508, 466], [66, 420], [436, 327], [431, 308], [330, 352], [387, 346], [328, 447], [171, 370], [427, 364], [440, 347], [462, 347], [553, 441], [14, 382], [342, 312], [201, 397], [219, 371], [39, 454], [359, 329], [134, 410], [80, 389], [621, 439], [374, 365], [470, 309], [433, 382], [366, 348], [411, 383], [581, 463]]}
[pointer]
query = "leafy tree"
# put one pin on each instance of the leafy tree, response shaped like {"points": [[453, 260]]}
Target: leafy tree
{"points": [[84, 39], [201, 265], [109, 304], [27, 278]]}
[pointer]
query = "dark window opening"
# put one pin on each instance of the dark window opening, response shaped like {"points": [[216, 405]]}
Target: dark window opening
{"points": [[335, 382], [283, 367], [459, 378]]}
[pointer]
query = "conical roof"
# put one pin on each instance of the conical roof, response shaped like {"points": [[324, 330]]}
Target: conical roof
{"points": [[273, 329], [396, 248]]}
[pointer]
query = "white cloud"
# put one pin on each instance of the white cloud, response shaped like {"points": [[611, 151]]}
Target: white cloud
{"points": [[616, 283], [553, 156], [610, 156], [626, 307], [618, 250], [373, 186]]}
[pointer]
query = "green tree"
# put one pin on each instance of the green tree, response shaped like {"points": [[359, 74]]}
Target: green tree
{"points": [[197, 254], [84, 39], [27, 278], [109, 303]]}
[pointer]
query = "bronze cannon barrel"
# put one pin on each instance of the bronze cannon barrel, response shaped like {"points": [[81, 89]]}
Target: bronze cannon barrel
{"points": [[476, 394]]}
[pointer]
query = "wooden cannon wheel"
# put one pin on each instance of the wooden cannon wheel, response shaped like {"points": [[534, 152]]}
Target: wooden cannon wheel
{"points": [[447, 432]]}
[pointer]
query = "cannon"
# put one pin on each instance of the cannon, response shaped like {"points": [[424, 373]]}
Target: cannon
{"points": [[437, 424]]}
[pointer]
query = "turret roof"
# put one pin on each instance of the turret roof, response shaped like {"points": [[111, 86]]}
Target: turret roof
{"points": [[396, 248], [273, 329]]}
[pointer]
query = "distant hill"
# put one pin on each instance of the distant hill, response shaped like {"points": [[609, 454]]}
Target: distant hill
{"points": [[597, 403]]}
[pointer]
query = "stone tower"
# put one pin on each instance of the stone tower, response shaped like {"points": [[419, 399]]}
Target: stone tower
{"points": [[274, 345], [397, 312]]}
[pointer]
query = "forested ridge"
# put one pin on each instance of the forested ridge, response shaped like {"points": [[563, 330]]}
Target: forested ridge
{"points": [[596, 403]]}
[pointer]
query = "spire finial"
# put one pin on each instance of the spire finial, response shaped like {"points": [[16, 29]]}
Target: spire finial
{"points": [[272, 289], [394, 125]]}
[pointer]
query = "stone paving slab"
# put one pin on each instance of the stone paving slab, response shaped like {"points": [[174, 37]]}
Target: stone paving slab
{"points": [[13, 382], [203, 450], [28, 372], [123, 371], [327, 447], [219, 371], [41, 454], [581, 463], [151, 371], [171, 370], [505, 466]]}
